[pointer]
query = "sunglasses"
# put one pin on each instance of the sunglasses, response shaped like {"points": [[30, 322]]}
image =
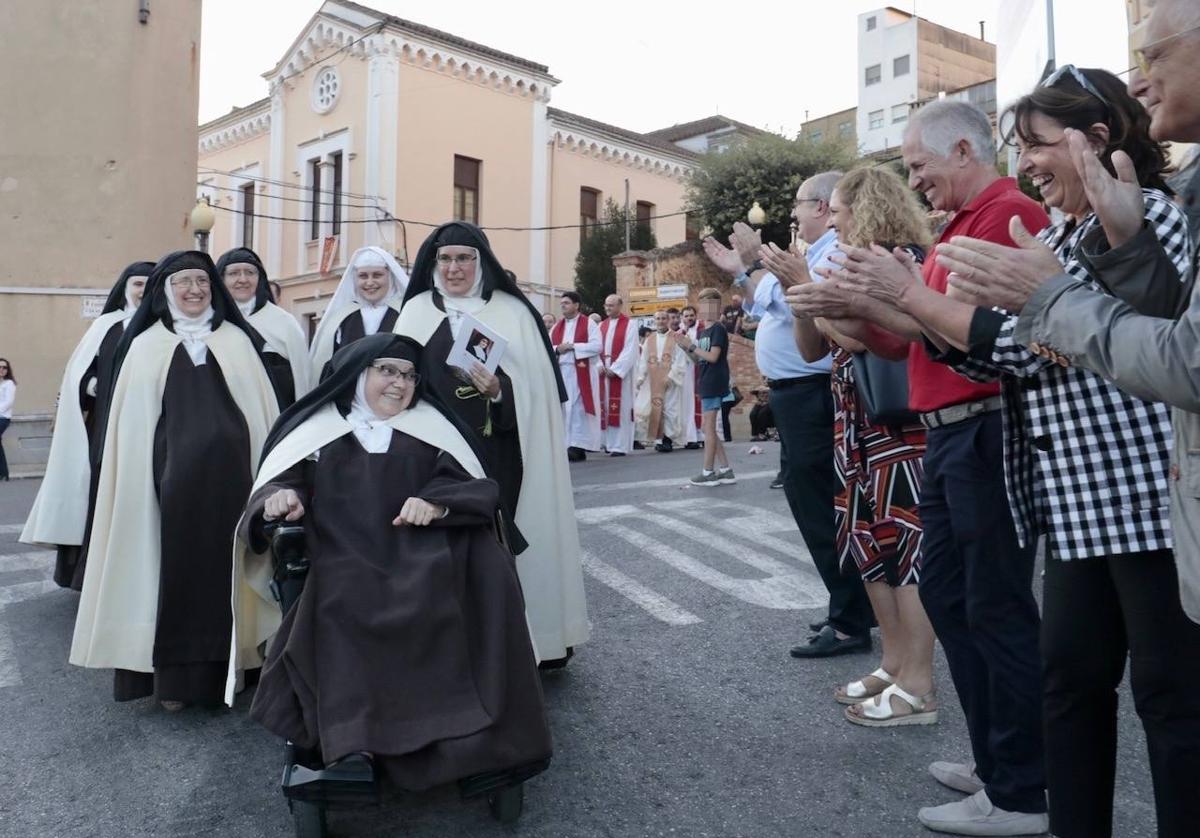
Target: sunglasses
{"points": [[1080, 79]]}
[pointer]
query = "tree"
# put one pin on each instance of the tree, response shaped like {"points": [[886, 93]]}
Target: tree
{"points": [[766, 169], [595, 276]]}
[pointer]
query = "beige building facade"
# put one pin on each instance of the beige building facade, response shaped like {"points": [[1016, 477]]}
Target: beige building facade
{"points": [[97, 168], [375, 129]]}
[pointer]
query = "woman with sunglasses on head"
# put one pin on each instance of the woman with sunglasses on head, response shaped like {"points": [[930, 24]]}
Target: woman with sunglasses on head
{"points": [[189, 410], [8, 395], [1087, 466]]}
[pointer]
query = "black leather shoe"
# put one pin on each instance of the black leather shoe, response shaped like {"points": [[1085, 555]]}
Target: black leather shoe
{"points": [[692, 446], [664, 447], [616, 454], [815, 628], [826, 644], [637, 446], [576, 455]]}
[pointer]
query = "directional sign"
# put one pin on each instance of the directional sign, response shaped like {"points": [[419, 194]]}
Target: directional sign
{"points": [[672, 292], [637, 295], [652, 306]]}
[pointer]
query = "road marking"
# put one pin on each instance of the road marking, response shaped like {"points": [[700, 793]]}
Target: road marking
{"points": [[753, 525], [810, 586], [664, 481], [34, 560], [7, 529], [656, 605], [787, 592], [10, 673], [26, 590]]}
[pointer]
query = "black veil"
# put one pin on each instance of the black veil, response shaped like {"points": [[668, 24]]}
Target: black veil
{"points": [[464, 234], [262, 294], [337, 386], [116, 297], [154, 308]]}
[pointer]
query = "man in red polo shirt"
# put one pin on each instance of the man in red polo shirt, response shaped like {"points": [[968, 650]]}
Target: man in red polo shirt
{"points": [[976, 580]]}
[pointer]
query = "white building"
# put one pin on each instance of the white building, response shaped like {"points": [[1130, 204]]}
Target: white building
{"points": [[904, 59]]}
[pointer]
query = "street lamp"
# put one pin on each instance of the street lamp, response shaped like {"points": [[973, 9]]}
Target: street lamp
{"points": [[202, 219], [757, 216]]}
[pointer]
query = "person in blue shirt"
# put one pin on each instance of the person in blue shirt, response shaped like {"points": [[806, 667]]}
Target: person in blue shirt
{"points": [[802, 403]]}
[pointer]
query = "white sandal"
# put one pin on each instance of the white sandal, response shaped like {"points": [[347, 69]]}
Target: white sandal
{"points": [[878, 711], [857, 692]]}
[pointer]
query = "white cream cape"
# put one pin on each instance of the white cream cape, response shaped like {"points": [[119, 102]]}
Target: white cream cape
{"points": [[118, 611], [256, 614], [550, 570], [283, 335], [322, 346], [59, 514]]}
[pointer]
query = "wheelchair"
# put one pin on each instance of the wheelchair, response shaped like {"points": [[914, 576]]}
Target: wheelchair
{"points": [[312, 788]]}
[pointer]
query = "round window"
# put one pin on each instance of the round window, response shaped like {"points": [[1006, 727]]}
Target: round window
{"points": [[326, 87]]}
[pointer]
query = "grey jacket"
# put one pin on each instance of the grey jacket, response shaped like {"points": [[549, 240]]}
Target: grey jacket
{"points": [[1151, 355]]}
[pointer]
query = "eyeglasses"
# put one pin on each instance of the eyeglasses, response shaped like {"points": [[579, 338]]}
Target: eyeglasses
{"points": [[191, 282], [460, 259], [1080, 79], [391, 372], [1144, 61]]}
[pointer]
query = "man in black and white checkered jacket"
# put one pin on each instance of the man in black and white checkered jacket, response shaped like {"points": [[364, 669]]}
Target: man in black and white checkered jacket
{"points": [[1085, 463]]}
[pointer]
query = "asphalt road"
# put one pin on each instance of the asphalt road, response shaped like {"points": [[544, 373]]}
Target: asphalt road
{"points": [[683, 716]]}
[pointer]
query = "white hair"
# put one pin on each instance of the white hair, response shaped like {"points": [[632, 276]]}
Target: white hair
{"points": [[941, 125], [820, 185]]}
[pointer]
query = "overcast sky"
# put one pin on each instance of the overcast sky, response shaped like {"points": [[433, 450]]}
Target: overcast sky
{"points": [[637, 64]]}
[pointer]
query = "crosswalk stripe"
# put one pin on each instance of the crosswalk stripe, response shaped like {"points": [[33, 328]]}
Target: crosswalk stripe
{"points": [[10, 673], [25, 590], [752, 525], [783, 592], [34, 560], [662, 481], [805, 583], [655, 604]]}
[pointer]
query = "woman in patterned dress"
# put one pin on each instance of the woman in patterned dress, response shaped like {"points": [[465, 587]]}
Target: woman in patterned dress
{"points": [[878, 527]]}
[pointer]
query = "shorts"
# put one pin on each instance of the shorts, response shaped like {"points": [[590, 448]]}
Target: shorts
{"points": [[711, 403]]}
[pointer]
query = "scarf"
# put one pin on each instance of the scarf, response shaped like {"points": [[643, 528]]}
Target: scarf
{"points": [[193, 330], [471, 302], [373, 433]]}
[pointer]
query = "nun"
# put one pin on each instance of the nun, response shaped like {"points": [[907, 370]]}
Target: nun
{"points": [[62, 512], [408, 646], [190, 408], [514, 414], [286, 348], [366, 301]]}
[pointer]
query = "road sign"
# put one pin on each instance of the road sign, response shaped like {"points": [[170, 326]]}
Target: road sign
{"points": [[637, 295], [672, 292], [651, 306]]}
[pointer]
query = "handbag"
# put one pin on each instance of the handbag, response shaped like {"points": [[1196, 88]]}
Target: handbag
{"points": [[883, 389]]}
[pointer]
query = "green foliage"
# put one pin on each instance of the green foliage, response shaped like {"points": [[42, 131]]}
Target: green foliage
{"points": [[595, 276], [766, 169]]}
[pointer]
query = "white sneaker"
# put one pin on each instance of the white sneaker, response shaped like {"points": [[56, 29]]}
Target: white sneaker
{"points": [[957, 775], [976, 815]]}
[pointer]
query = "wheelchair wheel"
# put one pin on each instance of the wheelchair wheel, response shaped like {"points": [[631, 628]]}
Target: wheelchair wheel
{"points": [[506, 804], [309, 819]]}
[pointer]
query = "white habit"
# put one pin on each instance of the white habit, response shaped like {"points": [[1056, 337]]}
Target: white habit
{"points": [[691, 429], [654, 347], [583, 428], [618, 437]]}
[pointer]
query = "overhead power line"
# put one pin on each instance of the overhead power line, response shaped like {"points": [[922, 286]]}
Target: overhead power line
{"points": [[387, 216]]}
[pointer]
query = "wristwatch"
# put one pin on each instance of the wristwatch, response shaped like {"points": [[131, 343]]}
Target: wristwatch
{"points": [[741, 278]]}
